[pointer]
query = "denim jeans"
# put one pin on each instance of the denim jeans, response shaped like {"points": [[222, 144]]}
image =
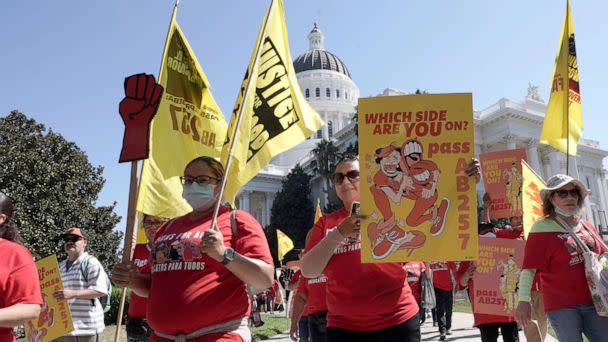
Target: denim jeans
{"points": [[570, 323]]}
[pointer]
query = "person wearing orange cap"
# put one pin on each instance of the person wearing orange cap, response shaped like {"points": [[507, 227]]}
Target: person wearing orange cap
{"points": [[84, 281]]}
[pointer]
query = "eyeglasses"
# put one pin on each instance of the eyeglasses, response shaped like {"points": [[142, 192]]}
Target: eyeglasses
{"points": [[572, 192], [71, 239], [352, 176], [154, 224], [200, 180]]}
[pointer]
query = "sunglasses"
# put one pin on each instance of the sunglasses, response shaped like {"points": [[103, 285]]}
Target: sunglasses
{"points": [[564, 193], [71, 239], [352, 175]]}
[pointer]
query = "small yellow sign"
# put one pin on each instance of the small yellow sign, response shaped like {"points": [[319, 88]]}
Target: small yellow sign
{"points": [[55, 319]]}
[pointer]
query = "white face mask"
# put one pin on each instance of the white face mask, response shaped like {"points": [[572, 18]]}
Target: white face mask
{"points": [[566, 213], [200, 197]]}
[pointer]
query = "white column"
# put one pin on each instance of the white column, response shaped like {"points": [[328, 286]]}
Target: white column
{"points": [[555, 158], [600, 176], [245, 205], [532, 152], [546, 164], [510, 141], [269, 200]]}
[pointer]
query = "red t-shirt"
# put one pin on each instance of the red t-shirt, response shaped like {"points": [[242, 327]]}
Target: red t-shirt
{"points": [[479, 318], [442, 275], [414, 271], [559, 261], [190, 290], [272, 291], [508, 233], [315, 290], [19, 283], [361, 297], [137, 304]]}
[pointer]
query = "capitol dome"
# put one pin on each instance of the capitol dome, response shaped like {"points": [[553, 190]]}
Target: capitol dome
{"points": [[317, 58], [327, 85]]}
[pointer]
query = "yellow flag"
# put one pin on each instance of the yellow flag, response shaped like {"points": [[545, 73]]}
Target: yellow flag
{"points": [[318, 212], [563, 124], [188, 124], [276, 116], [532, 204], [284, 244]]}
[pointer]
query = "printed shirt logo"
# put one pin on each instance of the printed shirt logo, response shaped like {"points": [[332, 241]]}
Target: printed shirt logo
{"points": [[348, 244], [176, 252]]}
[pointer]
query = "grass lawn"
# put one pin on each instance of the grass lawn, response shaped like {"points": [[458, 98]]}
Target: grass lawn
{"points": [[273, 325]]}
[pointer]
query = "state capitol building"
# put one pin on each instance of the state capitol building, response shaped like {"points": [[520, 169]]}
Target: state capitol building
{"points": [[329, 88]]}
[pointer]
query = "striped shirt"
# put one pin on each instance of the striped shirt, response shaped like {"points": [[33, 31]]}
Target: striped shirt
{"points": [[87, 314]]}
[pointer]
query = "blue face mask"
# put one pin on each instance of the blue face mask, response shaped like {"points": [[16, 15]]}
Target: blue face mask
{"points": [[566, 213], [200, 197]]}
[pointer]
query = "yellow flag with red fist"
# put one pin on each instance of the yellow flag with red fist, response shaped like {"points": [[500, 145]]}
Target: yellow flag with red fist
{"points": [[531, 202], [563, 125], [284, 244], [275, 114], [188, 124]]}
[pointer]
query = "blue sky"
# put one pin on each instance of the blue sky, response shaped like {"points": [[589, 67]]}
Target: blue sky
{"points": [[63, 62]]}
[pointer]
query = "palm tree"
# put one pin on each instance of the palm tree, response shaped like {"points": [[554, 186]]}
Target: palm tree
{"points": [[326, 155]]}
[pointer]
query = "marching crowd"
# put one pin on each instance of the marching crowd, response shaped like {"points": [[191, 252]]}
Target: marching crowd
{"points": [[193, 280]]}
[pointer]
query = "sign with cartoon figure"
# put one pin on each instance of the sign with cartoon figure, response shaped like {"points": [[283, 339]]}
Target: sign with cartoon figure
{"points": [[419, 202], [497, 276], [55, 319], [503, 181]]}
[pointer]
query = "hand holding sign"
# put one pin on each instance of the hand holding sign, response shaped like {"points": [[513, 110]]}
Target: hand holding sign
{"points": [[142, 97]]}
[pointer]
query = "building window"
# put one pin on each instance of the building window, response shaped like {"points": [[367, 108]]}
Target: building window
{"points": [[307, 93], [327, 92], [330, 129], [338, 93], [588, 183], [318, 92], [346, 95], [320, 133]]}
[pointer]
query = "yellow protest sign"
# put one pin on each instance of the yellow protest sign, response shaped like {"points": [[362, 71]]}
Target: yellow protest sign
{"points": [[188, 124], [55, 319], [531, 201], [420, 203]]}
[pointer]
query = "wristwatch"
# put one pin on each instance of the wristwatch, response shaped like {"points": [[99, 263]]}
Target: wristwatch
{"points": [[229, 255]]}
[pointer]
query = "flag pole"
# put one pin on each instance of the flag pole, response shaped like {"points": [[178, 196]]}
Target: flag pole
{"points": [[129, 237], [131, 212], [567, 81], [240, 116]]}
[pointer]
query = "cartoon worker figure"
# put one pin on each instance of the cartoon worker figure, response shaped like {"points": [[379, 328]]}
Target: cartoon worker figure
{"points": [[390, 183], [513, 188], [423, 192], [510, 278]]}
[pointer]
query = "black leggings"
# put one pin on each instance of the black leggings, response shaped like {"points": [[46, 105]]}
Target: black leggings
{"points": [[489, 332], [408, 331]]}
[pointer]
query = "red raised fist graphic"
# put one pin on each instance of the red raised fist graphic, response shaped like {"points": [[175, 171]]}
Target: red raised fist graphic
{"points": [[142, 97]]}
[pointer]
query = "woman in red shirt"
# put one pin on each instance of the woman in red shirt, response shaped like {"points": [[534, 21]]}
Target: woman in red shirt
{"points": [[552, 252], [365, 302], [20, 297], [197, 288]]}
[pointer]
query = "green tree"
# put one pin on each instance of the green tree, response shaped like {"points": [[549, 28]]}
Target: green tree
{"points": [[327, 156], [293, 211], [54, 187]]}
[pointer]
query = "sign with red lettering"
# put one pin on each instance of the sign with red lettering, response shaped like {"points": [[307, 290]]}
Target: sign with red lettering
{"points": [[497, 276], [503, 181], [55, 319], [419, 202]]}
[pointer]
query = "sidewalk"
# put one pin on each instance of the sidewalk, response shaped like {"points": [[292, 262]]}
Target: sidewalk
{"points": [[462, 330]]}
